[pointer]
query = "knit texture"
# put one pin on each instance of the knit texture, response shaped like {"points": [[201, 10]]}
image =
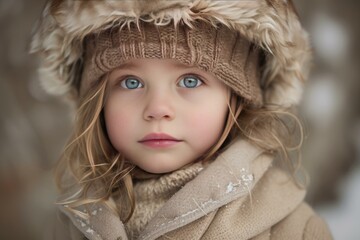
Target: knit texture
{"points": [[272, 26], [151, 195], [237, 196], [216, 49]]}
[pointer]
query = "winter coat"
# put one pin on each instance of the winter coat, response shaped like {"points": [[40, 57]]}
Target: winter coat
{"points": [[238, 196]]}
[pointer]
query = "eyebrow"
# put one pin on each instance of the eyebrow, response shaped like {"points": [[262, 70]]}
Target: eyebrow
{"points": [[127, 65], [177, 64]]}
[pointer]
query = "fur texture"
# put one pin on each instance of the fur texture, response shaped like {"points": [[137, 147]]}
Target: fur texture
{"points": [[271, 24]]}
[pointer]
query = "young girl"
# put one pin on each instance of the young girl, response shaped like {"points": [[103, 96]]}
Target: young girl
{"points": [[183, 118]]}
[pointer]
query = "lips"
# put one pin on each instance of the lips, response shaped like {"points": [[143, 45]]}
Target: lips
{"points": [[159, 140]]}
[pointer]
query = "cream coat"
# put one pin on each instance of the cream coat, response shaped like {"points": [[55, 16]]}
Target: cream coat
{"points": [[238, 196]]}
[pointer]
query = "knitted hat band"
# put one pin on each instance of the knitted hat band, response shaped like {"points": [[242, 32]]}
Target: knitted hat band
{"points": [[224, 53]]}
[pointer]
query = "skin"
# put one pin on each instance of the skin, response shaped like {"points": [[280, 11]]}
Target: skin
{"points": [[164, 97]]}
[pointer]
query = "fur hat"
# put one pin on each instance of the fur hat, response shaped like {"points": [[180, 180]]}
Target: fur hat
{"points": [[272, 25], [216, 49]]}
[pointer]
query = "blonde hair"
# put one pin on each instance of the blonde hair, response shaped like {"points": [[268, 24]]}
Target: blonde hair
{"points": [[89, 158]]}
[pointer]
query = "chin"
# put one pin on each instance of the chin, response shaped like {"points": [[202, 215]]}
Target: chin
{"points": [[160, 168]]}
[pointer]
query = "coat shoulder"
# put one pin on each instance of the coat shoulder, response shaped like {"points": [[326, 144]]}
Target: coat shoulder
{"points": [[316, 228], [303, 223]]}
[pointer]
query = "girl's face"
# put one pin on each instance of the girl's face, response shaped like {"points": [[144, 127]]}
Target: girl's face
{"points": [[163, 115]]}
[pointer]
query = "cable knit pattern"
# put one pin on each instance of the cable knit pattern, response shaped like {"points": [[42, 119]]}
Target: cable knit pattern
{"points": [[151, 194], [225, 53]]}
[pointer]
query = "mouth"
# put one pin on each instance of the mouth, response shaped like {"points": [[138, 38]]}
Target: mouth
{"points": [[159, 140]]}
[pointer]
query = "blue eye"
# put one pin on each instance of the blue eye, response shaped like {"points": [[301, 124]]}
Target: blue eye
{"points": [[131, 83], [190, 82]]}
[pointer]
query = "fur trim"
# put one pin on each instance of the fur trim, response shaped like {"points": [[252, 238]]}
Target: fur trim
{"points": [[271, 24]]}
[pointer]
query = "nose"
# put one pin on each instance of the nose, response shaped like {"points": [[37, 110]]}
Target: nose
{"points": [[159, 106]]}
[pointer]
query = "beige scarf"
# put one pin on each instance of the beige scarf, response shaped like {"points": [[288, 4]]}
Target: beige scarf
{"points": [[151, 194]]}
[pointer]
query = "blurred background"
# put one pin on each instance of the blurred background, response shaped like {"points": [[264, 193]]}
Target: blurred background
{"points": [[34, 126]]}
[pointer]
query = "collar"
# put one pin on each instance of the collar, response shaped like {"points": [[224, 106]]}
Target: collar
{"points": [[231, 176], [152, 194]]}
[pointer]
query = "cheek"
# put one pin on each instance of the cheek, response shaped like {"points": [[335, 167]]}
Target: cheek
{"points": [[118, 124], [208, 113], [207, 123]]}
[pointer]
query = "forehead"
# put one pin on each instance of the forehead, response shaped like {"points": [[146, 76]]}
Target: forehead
{"points": [[165, 66]]}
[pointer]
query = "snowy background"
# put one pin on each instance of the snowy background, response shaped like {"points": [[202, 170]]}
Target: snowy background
{"points": [[34, 126]]}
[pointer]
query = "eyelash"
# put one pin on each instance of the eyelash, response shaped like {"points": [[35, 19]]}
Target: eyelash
{"points": [[194, 76], [122, 81]]}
